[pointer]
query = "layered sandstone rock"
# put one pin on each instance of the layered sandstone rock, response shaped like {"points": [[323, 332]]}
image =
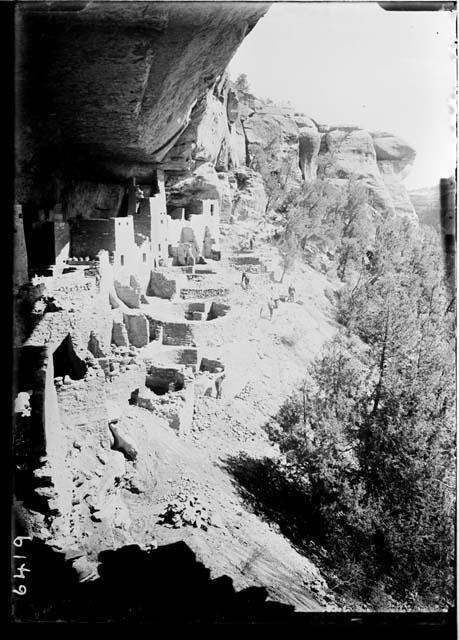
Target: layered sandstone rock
{"points": [[250, 200], [230, 133], [204, 183], [108, 88], [201, 163], [214, 134], [272, 130], [382, 159], [395, 157], [309, 140]]}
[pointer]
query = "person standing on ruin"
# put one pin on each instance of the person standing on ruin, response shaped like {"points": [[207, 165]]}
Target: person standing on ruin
{"points": [[291, 293], [218, 385], [271, 306]]}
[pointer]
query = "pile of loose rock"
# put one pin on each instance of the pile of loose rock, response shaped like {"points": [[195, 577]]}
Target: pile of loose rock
{"points": [[124, 355], [186, 511], [120, 360]]}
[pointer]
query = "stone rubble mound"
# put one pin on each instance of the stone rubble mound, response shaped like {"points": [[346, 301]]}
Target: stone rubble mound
{"points": [[185, 511]]}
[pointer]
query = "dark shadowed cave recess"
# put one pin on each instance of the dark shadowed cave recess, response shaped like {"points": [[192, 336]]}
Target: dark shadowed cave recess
{"points": [[66, 361]]}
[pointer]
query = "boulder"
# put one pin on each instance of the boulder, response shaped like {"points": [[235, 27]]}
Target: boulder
{"points": [[124, 441], [22, 404], [393, 149]]}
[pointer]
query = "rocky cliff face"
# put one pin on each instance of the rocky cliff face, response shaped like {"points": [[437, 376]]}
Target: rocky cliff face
{"points": [[381, 159], [394, 158], [214, 147], [106, 89]]}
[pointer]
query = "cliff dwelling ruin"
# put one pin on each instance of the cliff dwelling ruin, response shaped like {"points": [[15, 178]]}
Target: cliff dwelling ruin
{"points": [[137, 208], [104, 231]]}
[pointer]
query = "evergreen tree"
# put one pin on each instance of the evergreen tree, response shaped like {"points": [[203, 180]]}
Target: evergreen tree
{"points": [[242, 84], [369, 436]]}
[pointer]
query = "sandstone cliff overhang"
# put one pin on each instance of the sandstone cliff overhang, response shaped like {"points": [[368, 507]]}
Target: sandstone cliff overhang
{"points": [[108, 87]]}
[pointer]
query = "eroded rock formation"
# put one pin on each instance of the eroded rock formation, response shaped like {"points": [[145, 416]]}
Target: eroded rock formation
{"points": [[308, 147], [292, 143], [106, 89]]}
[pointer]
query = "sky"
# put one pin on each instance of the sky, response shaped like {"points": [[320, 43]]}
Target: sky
{"points": [[354, 63]]}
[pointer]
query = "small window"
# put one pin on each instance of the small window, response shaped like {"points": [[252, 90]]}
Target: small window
{"points": [[122, 261], [211, 209], [144, 257]]}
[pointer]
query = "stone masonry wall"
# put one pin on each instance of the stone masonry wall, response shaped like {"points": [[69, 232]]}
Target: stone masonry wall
{"points": [[83, 410], [137, 329], [88, 237], [88, 310], [202, 293], [61, 241], [174, 333], [128, 295], [161, 286], [163, 376], [238, 260]]}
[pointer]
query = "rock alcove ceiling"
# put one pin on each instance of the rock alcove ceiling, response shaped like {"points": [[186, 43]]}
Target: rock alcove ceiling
{"points": [[106, 88]]}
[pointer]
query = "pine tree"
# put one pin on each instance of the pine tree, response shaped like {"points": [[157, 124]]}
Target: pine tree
{"points": [[242, 84], [370, 435]]}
